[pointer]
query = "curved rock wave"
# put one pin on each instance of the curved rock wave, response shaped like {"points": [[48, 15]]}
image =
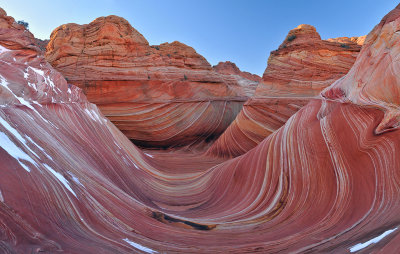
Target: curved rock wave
{"points": [[327, 181], [120, 72], [297, 71]]}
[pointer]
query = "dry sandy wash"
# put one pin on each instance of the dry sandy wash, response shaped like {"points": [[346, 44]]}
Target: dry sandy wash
{"points": [[328, 180]]}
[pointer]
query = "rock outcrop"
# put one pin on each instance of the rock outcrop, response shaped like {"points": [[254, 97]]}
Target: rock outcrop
{"points": [[298, 70], [229, 68], [304, 64], [348, 40], [326, 182], [42, 44], [162, 96], [14, 35]]}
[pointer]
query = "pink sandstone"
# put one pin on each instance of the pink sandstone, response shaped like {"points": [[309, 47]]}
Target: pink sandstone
{"points": [[161, 96], [327, 181], [300, 69]]}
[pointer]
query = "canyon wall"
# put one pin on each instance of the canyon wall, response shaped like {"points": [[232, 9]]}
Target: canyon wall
{"points": [[159, 96], [297, 71], [326, 181]]}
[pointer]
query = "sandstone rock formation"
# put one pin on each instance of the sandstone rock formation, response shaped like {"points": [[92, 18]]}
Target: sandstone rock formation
{"points": [[304, 64], [300, 69], [326, 182], [33, 81], [348, 40], [163, 95], [229, 68], [42, 44], [15, 36]]}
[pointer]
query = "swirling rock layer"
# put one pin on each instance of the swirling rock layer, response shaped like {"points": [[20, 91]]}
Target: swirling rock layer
{"points": [[230, 68], [327, 181], [147, 90], [299, 70], [304, 64]]}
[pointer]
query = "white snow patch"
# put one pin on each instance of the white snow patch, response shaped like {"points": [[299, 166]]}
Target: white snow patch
{"points": [[38, 146], [33, 142], [97, 116], [90, 114], [15, 151], [12, 149], [1, 197], [3, 49], [61, 178], [149, 155], [11, 129], [361, 246], [21, 100], [32, 85], [40, 72], [24, 102], [139, 246], [30, 117], [94, 115], [47, 79], [37, 103], [76, 179]]}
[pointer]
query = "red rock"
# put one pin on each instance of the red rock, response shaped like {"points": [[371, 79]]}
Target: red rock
{"points": [[304, 64], [299, 70], [229, 68], [374, 81], [42, 44], [327, 181], [165, 95], [35, 81], [346, 40]]}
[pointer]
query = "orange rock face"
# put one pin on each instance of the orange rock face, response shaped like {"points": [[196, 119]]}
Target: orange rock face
{"points": [[42, 44], [229, 68], [163, 95], [326, 182], [14, 35], [304, 64], [374, 80], [300, 69]]}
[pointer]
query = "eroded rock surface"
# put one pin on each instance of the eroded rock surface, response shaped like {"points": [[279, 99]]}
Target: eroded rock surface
{"points": [[298, 70], [326, 182], [230, 68], [162, 96]]}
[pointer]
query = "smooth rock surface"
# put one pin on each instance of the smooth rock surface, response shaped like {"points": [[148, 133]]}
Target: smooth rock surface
{"points": [[298, 70], [159, 96], [326, 182]]}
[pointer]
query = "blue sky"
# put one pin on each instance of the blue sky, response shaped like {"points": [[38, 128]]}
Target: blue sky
{"points": [[243, 32]]}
